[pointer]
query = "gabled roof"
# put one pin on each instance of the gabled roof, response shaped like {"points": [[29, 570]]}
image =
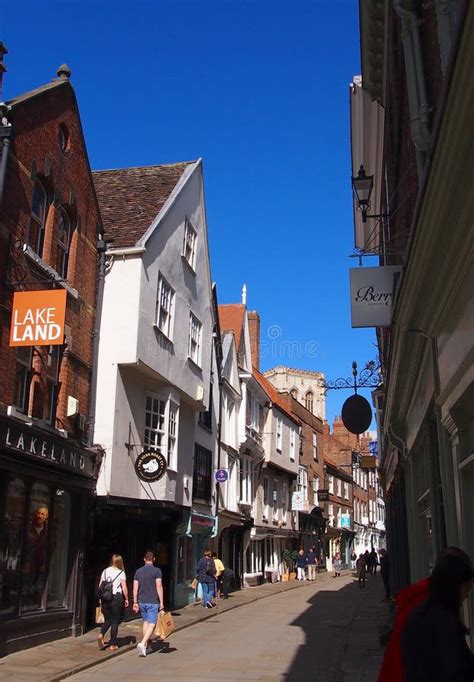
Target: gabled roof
{"points": [[273, 394], [131, 198], [57, 82], [231, 319]]}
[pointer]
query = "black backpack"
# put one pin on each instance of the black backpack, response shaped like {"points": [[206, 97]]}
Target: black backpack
{"points": [[105, 591]]}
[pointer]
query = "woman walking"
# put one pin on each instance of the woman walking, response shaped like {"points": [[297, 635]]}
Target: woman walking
{"points": [[337, 563], [113, 593], [206, 571], [361, 570]]}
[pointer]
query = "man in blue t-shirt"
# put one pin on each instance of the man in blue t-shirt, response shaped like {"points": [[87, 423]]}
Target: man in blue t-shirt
{"points": [[147, 598]]}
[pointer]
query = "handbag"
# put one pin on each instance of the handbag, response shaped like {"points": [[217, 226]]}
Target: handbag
{"points": [[165, 625], [194, 584], [99, 616]]}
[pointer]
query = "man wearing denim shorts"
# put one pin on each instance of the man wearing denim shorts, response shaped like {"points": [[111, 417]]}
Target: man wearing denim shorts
{"points": [[147, 598]]}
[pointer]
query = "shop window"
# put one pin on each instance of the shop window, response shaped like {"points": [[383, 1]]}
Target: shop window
{"points": [[58, 565], [202, 473], [36, 549], [185, 559], [11, 522], [38, 219], [21, 391]]}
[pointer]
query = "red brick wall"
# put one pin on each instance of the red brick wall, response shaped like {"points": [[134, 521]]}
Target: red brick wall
{"points": [[254, 332], [66, 177]]}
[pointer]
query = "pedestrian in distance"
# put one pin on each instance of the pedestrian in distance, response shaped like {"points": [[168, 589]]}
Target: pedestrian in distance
{"points": [[361, 570], [219, 571], [433, 641], [337, 563], [353, 560], [385, 572], [205, 574], [147, 598], [373, 561], [227, 578], [312, 564], [367, 560], [113, 594], [301, 563]]}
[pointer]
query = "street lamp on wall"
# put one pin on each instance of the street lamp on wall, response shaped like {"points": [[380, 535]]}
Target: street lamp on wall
{"points": [[362, 186]]}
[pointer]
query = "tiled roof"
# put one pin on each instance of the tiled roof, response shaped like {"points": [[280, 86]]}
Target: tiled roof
{"points": [[273, 394], [131, 198], [231, 319], [57, 82]]}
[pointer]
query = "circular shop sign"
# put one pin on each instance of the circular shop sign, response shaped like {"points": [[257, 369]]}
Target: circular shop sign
{"points": [[221, 475], [150, 466], [356, 414]]}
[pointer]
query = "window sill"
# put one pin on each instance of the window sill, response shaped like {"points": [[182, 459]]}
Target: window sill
{"points": [[205, 427], [162, 333], [188, 264], [194, 363], [47, 269]]}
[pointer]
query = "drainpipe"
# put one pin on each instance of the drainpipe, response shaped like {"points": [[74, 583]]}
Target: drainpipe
{"points": [[101, 248], [417, 97], [5, 134]]}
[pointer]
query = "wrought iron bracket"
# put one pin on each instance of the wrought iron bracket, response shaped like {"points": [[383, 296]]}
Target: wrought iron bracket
{"points": [[369, 377]]}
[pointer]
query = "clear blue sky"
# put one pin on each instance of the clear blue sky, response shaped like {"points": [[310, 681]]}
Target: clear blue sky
{"points": [[259, 89]]}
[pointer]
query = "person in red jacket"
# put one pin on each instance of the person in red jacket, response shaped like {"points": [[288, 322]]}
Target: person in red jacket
{"points": [[406, 600]]}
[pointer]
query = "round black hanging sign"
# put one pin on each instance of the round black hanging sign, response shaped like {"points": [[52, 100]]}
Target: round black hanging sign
{"points": [[356, 414], [150, 466]]}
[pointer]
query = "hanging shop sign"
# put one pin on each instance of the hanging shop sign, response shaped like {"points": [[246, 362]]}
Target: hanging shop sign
{"points": [[356, 414], [38, 318], [298, 501], [368, 462], [150, 466], [323, 495], [345, 520], [372, 291], [221, 475]]}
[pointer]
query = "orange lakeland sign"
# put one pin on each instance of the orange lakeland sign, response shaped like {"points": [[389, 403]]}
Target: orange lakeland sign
{"points": [[38, 318]]}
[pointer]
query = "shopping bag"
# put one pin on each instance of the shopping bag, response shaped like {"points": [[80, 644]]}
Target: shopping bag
{"points": [[99, 616], [194, 584], [165, 625], [292, 576]]}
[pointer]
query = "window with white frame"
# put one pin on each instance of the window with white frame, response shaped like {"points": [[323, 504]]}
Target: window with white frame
{"points": [[245, 480], [339, 487], [164, 308], [315, 490], [253, 412], [189, 245], [266, 497], [231, 423], [172, 434], [315, 447], [331, 485], [303, 481], [279, 433], [195, 332], [275, 497], [284, 502], [346, 490], [339, 517], [155, 424], [331, 514], [292, 444]]}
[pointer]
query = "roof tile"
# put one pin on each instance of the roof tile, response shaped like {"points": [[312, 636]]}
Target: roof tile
{"points": [[131, 198]]}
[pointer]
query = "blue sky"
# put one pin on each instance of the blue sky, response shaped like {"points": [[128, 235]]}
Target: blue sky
{"points": [[259, 89]]}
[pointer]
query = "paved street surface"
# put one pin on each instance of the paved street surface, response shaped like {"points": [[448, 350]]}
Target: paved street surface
{"points": [[323, 632]]}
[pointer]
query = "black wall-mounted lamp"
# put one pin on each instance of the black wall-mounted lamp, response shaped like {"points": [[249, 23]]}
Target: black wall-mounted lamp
{"points": [[362, 186]]}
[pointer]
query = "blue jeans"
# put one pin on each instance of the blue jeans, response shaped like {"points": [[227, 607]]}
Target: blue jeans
{"points": [[207, 592]]}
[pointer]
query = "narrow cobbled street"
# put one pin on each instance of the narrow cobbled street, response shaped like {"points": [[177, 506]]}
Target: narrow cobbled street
{"points": [[324, 632]]}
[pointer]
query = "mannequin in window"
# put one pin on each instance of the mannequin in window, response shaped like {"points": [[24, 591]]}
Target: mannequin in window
{"points": [[37, 539]]}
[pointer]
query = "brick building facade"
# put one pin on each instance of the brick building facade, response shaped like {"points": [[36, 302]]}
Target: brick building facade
{"points": [[49, 223]]}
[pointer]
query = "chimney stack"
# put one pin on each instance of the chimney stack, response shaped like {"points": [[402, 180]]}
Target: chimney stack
{"points": [[254, 331]]}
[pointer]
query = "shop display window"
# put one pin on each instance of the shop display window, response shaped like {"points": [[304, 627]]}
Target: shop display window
{"points": [[36, 549], [11, 523], [59, 545]]}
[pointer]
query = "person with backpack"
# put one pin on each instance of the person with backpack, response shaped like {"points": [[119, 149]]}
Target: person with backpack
{"points": [[205, 575], [113, 596]]}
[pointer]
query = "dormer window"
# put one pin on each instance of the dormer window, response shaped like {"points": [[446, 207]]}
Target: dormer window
{"points": [[189, 246], [38, 219]]}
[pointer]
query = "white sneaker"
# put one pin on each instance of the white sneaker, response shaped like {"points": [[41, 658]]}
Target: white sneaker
{"points": [[141, 648]]}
